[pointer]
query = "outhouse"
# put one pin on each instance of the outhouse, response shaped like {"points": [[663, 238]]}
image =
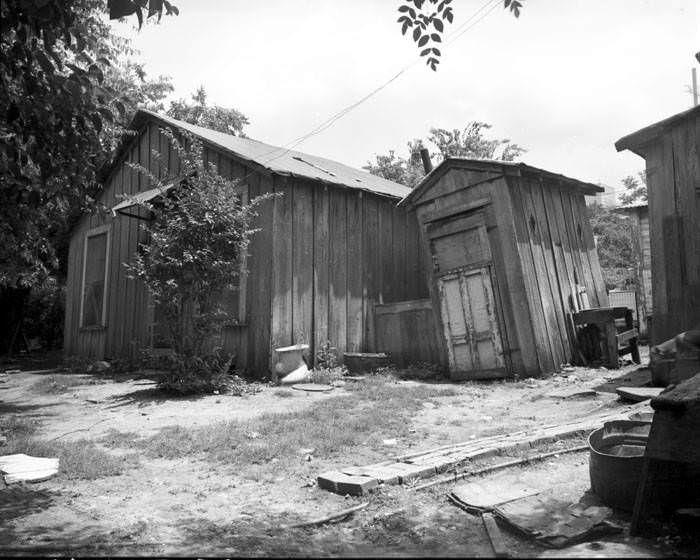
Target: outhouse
{"points": [[511, 256]]}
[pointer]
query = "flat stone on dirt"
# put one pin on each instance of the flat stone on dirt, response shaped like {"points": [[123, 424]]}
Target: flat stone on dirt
{"points": [[341, 483]]}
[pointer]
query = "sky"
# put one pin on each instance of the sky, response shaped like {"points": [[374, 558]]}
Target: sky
{"points": [[565, 80]]}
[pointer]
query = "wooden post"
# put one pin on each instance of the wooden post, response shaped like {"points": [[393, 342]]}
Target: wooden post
{"points": [[695, 88]]}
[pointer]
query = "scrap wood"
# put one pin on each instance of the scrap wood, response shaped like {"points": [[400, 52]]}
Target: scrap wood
{"points": [[515, 462], [495, 536], [556, 523], [484, 495], [333, 518], [638, 394], [432, 461], [24, 468]]}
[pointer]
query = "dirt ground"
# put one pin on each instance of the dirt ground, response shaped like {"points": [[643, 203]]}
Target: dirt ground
{"points": [[191, 506]]}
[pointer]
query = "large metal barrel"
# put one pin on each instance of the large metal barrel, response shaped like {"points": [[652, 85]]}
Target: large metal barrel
{"points": [[616, 457]]}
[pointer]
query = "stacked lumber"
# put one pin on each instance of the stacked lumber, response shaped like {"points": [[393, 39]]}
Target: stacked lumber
{"points": [[358, 481]]}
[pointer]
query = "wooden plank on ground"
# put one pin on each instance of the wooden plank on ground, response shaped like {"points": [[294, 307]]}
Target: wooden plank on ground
{"points": [[498, 544], [426, 463]]}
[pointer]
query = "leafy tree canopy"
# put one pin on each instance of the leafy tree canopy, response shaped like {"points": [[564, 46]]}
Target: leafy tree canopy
{"points": [[614, 243], [636, 189], [228, 121], [63, 102], [468, 142]]}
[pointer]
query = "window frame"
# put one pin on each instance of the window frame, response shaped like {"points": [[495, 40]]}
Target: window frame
{"points": [[94, 232]]}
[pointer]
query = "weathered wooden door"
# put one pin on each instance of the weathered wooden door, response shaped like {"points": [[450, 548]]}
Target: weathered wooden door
{"points": [[463, 271]]}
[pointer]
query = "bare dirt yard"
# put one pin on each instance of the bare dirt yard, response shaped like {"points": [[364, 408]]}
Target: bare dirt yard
{"points": [[222, 475]]}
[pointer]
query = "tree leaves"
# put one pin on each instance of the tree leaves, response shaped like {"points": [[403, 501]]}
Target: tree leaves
{"points": [[437, 15], [57, 126], [468, 142], [123, 8]]}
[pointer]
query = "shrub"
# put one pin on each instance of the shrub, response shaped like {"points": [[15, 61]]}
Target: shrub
{"points": [[198, 240], [198, 374]]}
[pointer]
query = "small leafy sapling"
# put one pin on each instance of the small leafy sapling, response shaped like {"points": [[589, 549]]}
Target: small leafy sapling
{"points": [[197, 241]]}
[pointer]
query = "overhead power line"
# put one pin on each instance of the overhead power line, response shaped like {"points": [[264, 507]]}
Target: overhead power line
{"points": [[489, 6]]}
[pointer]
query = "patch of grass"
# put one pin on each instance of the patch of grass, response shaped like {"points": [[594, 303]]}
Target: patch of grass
{"points": [[419, 372], [59, 383], [326, 376], [284, 393], [116, 439], [14, 427], [78, 460], [376, 409]]}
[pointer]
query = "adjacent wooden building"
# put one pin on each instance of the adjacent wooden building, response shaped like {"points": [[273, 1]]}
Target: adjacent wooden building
{"points": [[511, 255], [671, 149], [333, 246]]}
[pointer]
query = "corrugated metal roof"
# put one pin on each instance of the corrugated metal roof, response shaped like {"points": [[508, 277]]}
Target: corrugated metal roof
{"points": [[285, 162]]}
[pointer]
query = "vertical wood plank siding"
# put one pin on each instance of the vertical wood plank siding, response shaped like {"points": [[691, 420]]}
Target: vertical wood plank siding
{"points": [[323, 258], [673, 182], [557, 252]]}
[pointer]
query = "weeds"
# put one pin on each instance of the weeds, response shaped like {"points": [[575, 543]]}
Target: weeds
{"points": [[78, 460], [59, 383], [12, 428], [284, 393], [376, 410]]}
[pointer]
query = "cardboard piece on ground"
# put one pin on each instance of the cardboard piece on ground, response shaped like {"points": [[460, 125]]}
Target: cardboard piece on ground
{"points": [[486, 494], [638, 394], [556, 523], [23, 468]]}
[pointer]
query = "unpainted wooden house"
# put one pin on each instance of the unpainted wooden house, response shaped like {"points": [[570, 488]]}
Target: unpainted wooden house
{"points": [[511, 255], [333, 246], [639, 226], [671, 148]]}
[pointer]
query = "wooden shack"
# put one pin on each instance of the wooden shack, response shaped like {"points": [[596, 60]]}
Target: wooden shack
{"points": [[671, 149], [512, 254], [639, 225], [330, 249]]}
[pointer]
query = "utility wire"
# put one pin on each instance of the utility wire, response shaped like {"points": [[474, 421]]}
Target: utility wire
{"points": [[289, 146]]}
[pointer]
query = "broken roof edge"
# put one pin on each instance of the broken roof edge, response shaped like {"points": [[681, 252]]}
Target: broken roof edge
{"points": [[142, 116], [629, 207], [635, 141], [496, 166]]}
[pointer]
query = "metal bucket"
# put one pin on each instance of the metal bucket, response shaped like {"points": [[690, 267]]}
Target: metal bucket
{"points": [[616, 457]]}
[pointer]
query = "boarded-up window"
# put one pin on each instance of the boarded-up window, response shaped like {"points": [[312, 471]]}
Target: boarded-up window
{"points": [[94, 279]]}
